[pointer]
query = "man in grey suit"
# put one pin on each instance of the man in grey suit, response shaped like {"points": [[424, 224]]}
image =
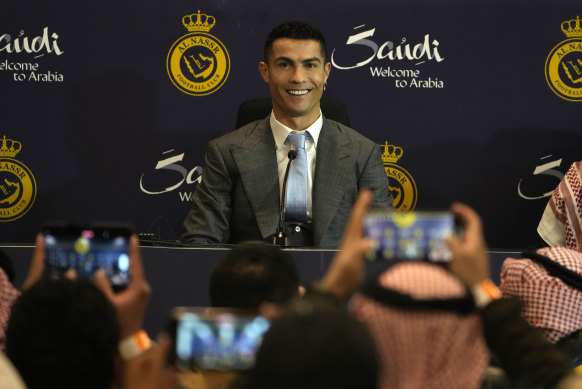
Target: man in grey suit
{"points": [[240, 194]]}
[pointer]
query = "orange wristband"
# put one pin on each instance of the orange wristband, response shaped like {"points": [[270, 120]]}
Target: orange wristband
{"points": [[485, 292], [134, 345]]}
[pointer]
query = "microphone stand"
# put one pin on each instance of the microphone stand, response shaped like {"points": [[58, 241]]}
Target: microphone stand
{"points": [[280, 237]]}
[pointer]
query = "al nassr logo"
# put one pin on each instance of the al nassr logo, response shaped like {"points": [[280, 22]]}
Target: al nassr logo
{"points": [[400, 183], [17, 184], [564, 63], [198, 63]]}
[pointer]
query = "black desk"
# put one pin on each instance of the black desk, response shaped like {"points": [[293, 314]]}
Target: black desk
{"points": [[179, 276]]}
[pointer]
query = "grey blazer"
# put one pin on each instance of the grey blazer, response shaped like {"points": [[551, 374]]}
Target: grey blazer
{"points": [[238, 198]]}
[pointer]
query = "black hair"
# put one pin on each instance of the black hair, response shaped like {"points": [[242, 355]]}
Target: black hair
{"points": [[294, 30], [253, 273], [314, 344], [63, 334], [571, 344]]}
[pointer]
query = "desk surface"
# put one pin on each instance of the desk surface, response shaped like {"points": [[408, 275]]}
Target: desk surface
{"points": [[179, 276]]}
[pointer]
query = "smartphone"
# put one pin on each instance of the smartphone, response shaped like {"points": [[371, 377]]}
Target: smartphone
{"points": [[410, 236], [219, 340], [86, 248]]}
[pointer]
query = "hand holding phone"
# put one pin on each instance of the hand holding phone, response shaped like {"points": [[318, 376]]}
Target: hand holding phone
{"points": [[410, 236], [131, 303], [471, 260], [86, 249]]}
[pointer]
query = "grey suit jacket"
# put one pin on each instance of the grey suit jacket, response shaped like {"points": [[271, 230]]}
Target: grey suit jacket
{"points": [[238, 198]]}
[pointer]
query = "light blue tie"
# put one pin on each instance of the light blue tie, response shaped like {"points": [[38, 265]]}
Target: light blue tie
{"points": [[296, 209]]}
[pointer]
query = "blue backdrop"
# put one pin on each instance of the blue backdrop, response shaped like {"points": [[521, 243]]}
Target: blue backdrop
{"points": [[481, 102]]}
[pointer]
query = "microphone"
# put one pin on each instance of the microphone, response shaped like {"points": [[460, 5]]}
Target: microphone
{"points": [[280, 238]]}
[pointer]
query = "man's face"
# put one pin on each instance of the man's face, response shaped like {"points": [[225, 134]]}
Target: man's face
{"points": [[296, 74]]}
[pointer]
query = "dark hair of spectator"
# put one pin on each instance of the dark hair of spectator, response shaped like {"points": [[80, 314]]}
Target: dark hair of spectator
{"points": [[63, 334], [314, 345], [253, 273]]}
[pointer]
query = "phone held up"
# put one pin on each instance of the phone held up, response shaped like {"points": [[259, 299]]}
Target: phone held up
{"points": [[411, 236], [87, 248], [216, 339]]}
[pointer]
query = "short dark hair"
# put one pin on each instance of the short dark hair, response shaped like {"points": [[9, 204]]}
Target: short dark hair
{"points": [[252, 273], [294, 30], [63, 334], [571, 344], [314, 345]]}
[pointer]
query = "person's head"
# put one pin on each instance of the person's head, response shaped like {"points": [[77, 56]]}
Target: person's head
{"points": [[549, 304], [63, 334], [425, 326], [296, 30], [253, 273], [314, 345], [296, 68]]}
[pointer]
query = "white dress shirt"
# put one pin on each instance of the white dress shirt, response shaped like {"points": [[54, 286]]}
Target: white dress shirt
{"points": [[280, 133]]}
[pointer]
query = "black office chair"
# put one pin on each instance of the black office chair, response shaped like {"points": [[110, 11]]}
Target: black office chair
{"points": [[259, 108]]}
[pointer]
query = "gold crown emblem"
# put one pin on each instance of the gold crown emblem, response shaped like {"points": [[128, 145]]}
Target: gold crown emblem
{"points": [[391, 153], [198, 22], [9, 147], [572, 27]]}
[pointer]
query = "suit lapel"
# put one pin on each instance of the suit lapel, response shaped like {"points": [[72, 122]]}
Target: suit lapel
{"points": [[256, 161], [332, 166]]}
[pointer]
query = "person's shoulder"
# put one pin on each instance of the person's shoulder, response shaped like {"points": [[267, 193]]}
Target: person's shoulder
{"points": [[241, 134], [346, 131]]}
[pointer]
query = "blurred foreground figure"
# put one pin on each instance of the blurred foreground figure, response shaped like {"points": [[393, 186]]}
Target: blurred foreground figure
{"points": [[549, 282], [426, 328], [63, 334], [254, 275], [314, 344], [8, 293], [561, 223]]}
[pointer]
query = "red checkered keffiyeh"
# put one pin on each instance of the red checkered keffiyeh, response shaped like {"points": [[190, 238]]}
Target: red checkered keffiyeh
{"points": [[8, 293], [420, 348], [561, 223], [549, 304]]}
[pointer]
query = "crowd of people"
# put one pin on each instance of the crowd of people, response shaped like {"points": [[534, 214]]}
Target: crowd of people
{"points": [[416, 325]]}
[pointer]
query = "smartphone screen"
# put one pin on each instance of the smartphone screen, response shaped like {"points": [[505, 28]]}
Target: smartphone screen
{"points": [[86, 249], [410, 236], [223, 341]]}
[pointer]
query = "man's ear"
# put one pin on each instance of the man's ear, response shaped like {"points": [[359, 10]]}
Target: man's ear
{"points": [[326, 71], [264, 70]]}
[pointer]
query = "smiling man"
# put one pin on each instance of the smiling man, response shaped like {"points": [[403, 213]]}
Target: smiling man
{"points": [[241, 192]]}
